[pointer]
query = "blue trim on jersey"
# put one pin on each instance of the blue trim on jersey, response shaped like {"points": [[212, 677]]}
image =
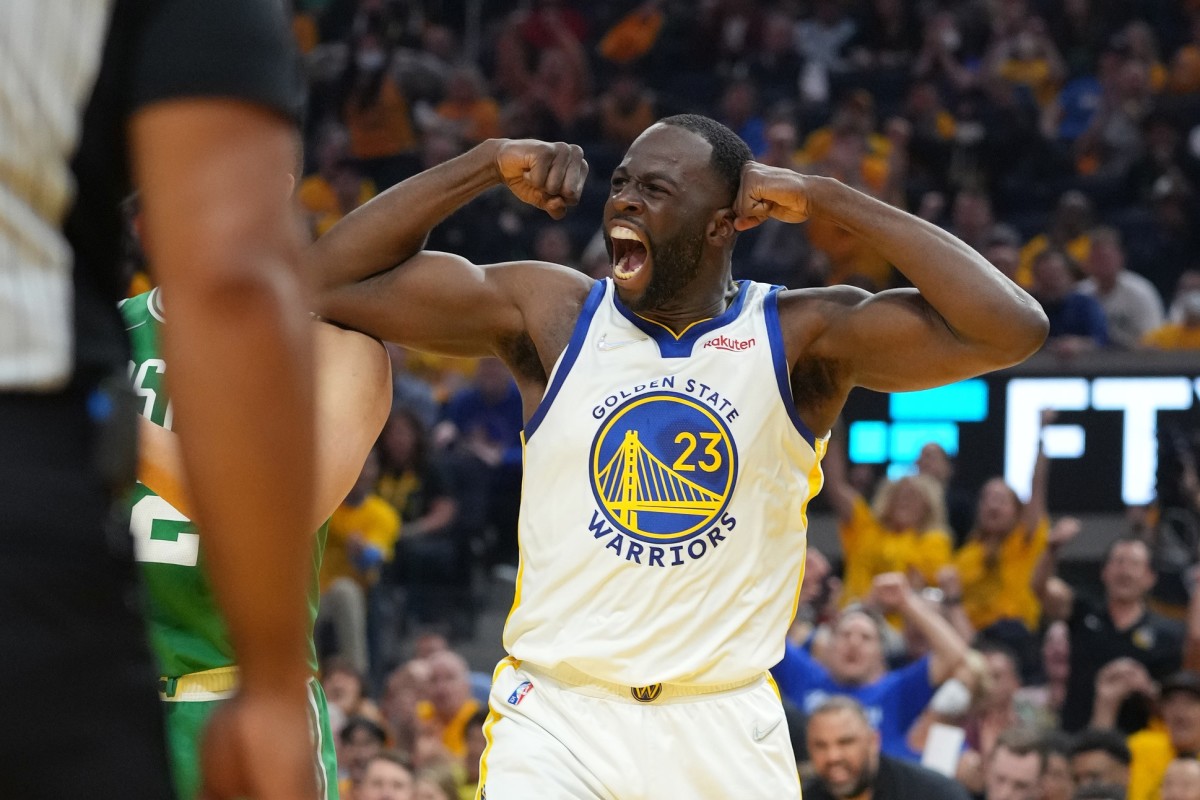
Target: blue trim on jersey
{"points": [[672, 346], [568, 358], [779, 358]]}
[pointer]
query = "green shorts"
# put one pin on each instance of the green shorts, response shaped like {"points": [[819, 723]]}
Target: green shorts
{"points": [[185, 721]]}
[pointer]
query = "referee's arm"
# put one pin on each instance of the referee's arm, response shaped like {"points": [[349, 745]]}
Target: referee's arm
{"points": [[220, 230]]}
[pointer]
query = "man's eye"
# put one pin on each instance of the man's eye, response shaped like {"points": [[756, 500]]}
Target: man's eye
{"points": [[617, 183]]}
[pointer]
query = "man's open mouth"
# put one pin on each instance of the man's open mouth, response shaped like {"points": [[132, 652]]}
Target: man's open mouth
{"points": [[628, 251]]}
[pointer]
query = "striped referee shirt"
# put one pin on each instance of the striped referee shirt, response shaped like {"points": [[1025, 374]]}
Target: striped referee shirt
{"points": [[72, 72]]}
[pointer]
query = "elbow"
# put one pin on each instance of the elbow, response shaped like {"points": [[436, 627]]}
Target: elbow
{"points": [[1030, 328], [1025, 332], [243, 287]]}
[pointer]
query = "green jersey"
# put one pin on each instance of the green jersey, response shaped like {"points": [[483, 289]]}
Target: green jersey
{"points": [[186, 629]]}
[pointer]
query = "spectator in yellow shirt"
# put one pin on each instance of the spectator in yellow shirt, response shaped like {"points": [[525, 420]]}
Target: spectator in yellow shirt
{"points": [[1068, 231], [377, 115], [362, 533], [1154, 749], [903, 530], [467, 109], [1181, 335], [450, 705], [996, 563], [337, 187]]}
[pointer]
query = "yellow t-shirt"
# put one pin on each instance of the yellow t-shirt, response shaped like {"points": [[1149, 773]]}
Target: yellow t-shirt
{"points": [[1152, 752], [1001, 590], [1078, 249], [382, 129], [375, 522], [870, 549], [1035, 74], [1173, 336], [481, 118], [454, 733], [317, 196]]}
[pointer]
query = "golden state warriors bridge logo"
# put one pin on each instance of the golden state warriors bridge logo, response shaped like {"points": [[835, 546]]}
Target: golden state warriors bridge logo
{"points": [[663, 467]]}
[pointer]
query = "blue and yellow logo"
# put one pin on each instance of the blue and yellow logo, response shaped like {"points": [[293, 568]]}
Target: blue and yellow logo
{"points": [[663, 467]]}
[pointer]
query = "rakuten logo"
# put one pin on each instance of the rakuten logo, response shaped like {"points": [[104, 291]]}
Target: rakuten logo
{"points": [[732, 345]]}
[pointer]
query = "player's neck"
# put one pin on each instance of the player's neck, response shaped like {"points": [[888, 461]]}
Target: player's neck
{"points": [[679, 314]]}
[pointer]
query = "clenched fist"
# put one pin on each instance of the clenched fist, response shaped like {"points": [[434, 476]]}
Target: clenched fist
{"points": [[549, 176], [770, 193]]}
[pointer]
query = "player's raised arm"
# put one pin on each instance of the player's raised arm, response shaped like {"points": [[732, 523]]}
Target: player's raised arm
{"points": [[963, 318], [370, 266]]}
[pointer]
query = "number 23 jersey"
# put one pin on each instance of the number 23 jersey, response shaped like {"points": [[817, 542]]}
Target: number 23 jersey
{"points": [[663, 518]]}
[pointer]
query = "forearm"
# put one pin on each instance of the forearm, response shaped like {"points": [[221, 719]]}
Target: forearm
{"points": [[1035, 509], [236, 348], [956, 615], [1104, 714], [1046, 568], [947, 648], [394, 226], [974, 299]]}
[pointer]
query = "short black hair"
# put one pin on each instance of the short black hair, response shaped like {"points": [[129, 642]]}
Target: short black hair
{"points": [[729, 152], [1109, 741], [986, 646], [357, 723], [1057, 743]]}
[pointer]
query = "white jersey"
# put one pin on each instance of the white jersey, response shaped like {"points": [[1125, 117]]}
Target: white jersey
{"points": [[663, 518]]}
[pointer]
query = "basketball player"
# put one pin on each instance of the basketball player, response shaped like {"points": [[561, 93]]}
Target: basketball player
{"points": [[675, 424], [187, 631]]}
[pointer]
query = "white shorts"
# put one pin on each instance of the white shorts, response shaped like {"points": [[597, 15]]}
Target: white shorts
{"points": [[578, 739]]}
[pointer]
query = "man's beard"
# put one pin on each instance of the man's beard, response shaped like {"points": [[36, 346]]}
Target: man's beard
{"points": [[864, 780], [676, 263]]}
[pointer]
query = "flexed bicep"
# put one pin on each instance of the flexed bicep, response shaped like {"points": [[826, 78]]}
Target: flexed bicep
{"points": [[435, 301], [895, 341], [445, 304]]}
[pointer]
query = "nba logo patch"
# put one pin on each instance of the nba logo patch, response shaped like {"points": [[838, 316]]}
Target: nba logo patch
{"points": [[518, 694]]}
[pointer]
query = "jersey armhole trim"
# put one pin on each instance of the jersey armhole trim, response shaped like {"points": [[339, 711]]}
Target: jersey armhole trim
{"points": [[567, 360], [779, 359]]}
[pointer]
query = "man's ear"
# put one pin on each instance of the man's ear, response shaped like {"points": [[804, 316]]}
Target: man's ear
{"points": [[720, 226]]}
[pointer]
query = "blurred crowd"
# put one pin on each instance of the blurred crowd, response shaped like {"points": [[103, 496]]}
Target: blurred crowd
{"points": [[1059, 138]]}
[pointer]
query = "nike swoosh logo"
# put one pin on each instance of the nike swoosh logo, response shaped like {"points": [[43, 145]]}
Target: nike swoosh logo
{"points": [[605, 345], [759, 735]]}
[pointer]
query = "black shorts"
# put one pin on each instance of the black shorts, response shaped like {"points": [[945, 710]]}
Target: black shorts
{"points": [[80, 705]]}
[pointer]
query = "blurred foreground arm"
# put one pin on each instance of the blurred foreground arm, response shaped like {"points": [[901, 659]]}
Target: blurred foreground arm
{"points": [[223, 237], [353, 398]]}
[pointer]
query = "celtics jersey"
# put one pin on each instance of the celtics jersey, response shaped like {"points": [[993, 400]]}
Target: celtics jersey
{"points": [[667, 478], [186, 629]]}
